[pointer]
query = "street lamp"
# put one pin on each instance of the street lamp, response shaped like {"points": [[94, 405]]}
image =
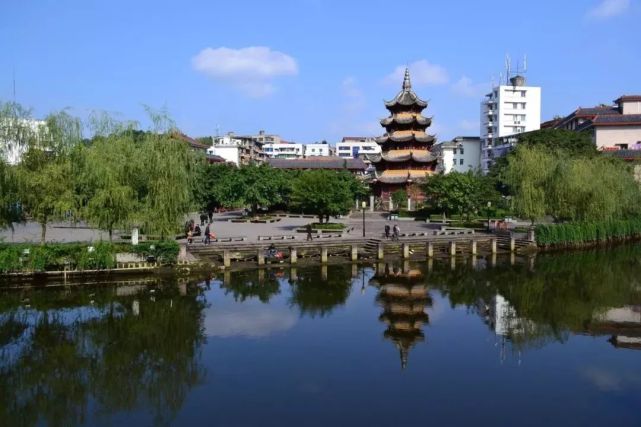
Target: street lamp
{"points": [[489, 205], [363, 206]]}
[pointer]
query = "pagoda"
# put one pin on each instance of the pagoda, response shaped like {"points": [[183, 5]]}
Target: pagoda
{"points": [[406, 156], [404, 300]]}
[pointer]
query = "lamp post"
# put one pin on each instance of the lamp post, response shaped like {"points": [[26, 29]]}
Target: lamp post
{"points": [[363, 206], [489, 205]]}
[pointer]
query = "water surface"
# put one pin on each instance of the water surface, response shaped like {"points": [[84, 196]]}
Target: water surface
{"points": [[550, 342]]}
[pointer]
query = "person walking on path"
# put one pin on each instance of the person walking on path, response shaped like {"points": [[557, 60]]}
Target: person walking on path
{"points": [[210, 215], [308, 228], [387, 229], [207, 235], [203, 218], [396, 232]]}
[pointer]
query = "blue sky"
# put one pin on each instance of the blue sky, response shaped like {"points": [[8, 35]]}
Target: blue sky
{"points": [[311, 69]]}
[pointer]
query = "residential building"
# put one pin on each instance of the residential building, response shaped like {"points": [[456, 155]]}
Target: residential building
{"points": [[355, 166], [283, 150], [239, 149], [228, 147], [317, 149], [357, 146], [461, 154], [509, 109], [612, 127]]}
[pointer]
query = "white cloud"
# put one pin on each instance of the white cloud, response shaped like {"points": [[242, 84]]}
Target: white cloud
{"points": [[249, 69], [247, 321], [608, 8], [422, 72], [465, 87]]}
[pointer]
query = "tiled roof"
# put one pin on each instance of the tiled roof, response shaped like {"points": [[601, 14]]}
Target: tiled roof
{"points": [[621, 119], [319, 162], [628, 98]]}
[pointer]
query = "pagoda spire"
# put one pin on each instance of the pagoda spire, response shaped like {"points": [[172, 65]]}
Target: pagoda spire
{"points": [[407, 84]]}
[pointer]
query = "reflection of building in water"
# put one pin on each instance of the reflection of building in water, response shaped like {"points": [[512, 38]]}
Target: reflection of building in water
{"points": [[502, 317], [404, 298], [623, 323]]}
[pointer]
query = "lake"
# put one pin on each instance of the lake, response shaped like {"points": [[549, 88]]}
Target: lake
{"points": [[550, 341]]}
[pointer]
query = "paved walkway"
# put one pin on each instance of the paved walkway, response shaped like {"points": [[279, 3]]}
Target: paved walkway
{"points": [[66, 232]]}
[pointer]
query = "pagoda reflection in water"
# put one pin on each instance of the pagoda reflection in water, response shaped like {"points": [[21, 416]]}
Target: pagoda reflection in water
{"points": [[404, 297]]}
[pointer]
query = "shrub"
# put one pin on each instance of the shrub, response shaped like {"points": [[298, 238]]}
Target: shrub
{"points": [[580, 233], [164, 251]]}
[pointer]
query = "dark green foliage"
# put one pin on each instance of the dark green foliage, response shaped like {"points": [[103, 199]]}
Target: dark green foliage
{"points": [[77, 256], [574, 144], [460, 193], [323, 193], [582, 233], [328, 226], [164, 251]]}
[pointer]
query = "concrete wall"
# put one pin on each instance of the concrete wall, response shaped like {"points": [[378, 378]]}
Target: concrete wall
{"points": [[610, 136], [631, 107]]}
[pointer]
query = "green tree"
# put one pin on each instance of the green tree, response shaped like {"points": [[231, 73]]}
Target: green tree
{"points": [[323, 193], [462, 193], [528, 172], [108, 180], [571, 143], [260, 186], [216, 186], [45, 174], [398, 198]]}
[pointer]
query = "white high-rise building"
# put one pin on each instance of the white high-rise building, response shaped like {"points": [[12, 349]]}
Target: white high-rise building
{"points": [[508, 109]]}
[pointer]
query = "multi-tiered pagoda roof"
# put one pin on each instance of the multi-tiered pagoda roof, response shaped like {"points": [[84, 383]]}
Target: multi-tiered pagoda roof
{"points": [[406, 155]]}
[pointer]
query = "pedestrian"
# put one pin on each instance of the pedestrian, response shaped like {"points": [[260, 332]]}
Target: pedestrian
{"points": [[190, 237], [207, 235], [396, 232], [387, 229], [308, 228], [203, 218], [210, 214]]}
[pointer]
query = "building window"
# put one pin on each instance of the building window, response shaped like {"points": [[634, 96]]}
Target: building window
{"points": [[455, 151], [461, 150], [461, 162]]}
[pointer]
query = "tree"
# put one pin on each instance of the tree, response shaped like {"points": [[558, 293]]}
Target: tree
{"points": [[528, 172], [569, 142], [398, 198], [262, 185], [463, 193], [45, 174], [323, 193], [108, 182], [10, 212], [216, 186]]}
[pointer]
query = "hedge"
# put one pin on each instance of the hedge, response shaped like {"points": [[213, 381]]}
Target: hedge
{"points": [[76, 256], [582, 233]]}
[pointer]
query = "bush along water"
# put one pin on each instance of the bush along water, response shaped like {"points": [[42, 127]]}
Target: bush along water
{"points": [[79, 256], [581, 234]]}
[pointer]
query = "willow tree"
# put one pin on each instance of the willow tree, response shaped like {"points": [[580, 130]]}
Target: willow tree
{"points": [[16, 133], [528, 172], [109, 173], [168, 167], [45, 174]]}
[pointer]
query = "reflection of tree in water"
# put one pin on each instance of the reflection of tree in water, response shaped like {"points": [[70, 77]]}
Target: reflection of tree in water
{"points": [[564, 293], [404, 298], [120, 354], [316, 296], [261, 284]]}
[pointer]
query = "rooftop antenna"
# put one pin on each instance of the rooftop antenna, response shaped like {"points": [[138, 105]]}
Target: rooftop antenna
{"points": [[524, 63], [217, 131], [508, 66]]}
